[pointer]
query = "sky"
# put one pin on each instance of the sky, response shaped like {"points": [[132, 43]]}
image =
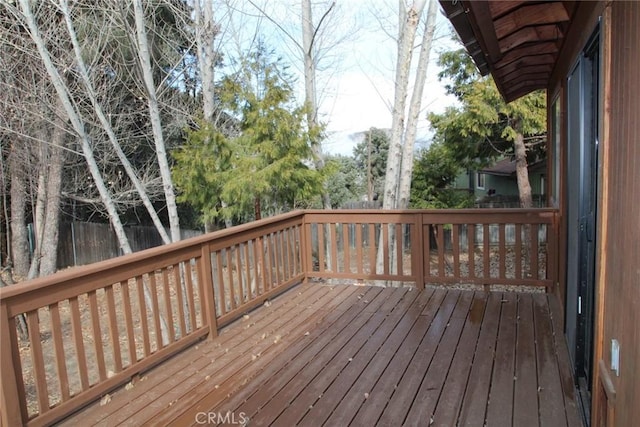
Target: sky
{"points": [[355, 78]]}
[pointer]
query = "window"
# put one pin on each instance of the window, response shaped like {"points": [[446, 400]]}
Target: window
{"points": [[480, 181], [543, 185]]}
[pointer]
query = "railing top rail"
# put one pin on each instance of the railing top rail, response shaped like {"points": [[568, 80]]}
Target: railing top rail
{"points": [[168, 252], [484, 211]]}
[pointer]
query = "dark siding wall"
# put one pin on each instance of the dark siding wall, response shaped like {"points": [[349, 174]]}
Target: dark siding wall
{"points": [[621, 316]]}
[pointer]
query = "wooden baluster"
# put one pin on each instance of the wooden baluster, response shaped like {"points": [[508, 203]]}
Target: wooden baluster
{"points": [[222, 293], [277, 256], [97, 335], [207, 297], [535, 274], [58, 346], [76, 327], [427, 249], [262, 262], [113, 328], [247, 270], [230, 268], [372, 249], [37, 359], [518, 251], [190, 294], [455, 236], [143, 315], [486, 253], [334, 248], [180, 297], [269, 261], [346, 250], [441, 249], [321, 248], [399, 250], [471, 249], [128, 319], [503, 251], [157, 321], [359, 243], [385, 248]]}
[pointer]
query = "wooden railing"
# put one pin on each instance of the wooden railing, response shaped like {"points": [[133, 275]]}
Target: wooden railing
{"points": [[512, 247], [91, 329]]}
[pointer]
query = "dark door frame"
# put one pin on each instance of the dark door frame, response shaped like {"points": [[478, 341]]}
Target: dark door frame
{"points": [[582, 189]]}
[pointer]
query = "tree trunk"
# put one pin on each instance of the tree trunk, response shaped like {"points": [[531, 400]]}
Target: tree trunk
{"points": [[205, 37], [156, 124], [522, 173], [106, 125], [406, 169], [76, 122], [78, 126], [409, 20], [48, 261], [19, 239], [310, 93], [39, 212]]}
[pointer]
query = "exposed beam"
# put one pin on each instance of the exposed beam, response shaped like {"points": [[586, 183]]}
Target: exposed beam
{"points": [[526, 62], [538, 69], [537, 14], [550, 48], [538, 34], [484, 21]]}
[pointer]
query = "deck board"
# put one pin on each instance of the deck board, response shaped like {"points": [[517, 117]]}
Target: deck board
{"points": [[360, 355]]}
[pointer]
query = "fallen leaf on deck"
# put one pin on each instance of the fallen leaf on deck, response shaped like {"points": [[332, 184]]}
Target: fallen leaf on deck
{"points": [[129, 385], [106, 399]]}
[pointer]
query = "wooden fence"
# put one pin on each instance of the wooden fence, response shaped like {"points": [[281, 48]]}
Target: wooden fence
{"points": [[92, 328], [83, 243]]}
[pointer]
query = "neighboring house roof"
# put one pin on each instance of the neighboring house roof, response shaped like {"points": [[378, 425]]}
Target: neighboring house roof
{"points": [[507, 167]]}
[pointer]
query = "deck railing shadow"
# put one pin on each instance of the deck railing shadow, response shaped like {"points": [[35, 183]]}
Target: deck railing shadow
{"points": [[93, 328]]}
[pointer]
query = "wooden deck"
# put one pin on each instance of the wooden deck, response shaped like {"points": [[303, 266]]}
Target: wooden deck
{"points": [[340, 355]]}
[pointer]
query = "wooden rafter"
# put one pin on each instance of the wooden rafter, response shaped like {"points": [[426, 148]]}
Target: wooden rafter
{"points": [[519, 40]]}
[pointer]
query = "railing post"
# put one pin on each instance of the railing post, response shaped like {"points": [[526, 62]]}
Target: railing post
{"points": [[209, 303], [417, 248], [305, 248], [11, 407]]}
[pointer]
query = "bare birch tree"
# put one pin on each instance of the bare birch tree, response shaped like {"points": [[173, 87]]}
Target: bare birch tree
{"points": [[409, 20], [156, 122], [415, 107], [91, 93], [404, 125]]}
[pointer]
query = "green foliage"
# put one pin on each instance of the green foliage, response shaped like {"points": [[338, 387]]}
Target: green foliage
{"points": [[483, 126], [379, 139], [201, 168], [345, 180], [267, 164], [434, 169]]}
